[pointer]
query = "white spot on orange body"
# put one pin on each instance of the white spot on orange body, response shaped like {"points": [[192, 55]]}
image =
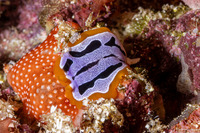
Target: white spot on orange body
{"points": [[48, 88], [42, 96], [55, 91], [50, 95], [60, 98], [62, 90], [33, 79]]}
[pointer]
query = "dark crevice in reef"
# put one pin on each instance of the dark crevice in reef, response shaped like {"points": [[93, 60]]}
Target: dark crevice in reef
{"points": [[9, 15], [162, 70], [4, 59], [131, 5]]}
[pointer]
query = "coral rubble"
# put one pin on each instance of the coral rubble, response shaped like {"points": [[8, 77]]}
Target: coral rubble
{"points": [[85, 12], [56, 121], [98, 112], [17, 40], [6, 110]]}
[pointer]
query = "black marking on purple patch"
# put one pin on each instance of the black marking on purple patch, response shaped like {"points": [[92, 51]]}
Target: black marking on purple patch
{"points": [[85, 68], [82, 88], [90, 48], [111, 43], [67, 65], [90, 65], [110, 55]]}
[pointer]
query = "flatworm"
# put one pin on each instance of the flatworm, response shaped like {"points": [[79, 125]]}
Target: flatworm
{"points": [[33, 79], [92, 68]]}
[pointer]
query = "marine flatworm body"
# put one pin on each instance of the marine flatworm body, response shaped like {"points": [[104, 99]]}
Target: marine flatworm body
{"points": [[92, 68]]}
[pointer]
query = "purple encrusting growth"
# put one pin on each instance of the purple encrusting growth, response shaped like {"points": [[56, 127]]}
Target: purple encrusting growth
{"points": [[178, 37], [29, 13], [100, 58], [191, 52], [18, 40], [194, 4], [189, 45], [84, 12], [136, 105]]}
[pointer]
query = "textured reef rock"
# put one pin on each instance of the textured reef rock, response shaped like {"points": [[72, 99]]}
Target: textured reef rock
{"points": [[18, 39], [189, 121], [4, 125], [25, 31], [172, 33], [165, 42], [180, 38], [8, 107], [9, 13], [6, 110], [147, 35], [189, 79], [189, 45], [84, 12], [194, 4], [57, 121], [136, 106], [98, 113]]}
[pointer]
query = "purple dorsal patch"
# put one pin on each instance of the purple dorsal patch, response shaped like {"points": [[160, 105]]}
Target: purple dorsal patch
{"points": [[92, 65]]}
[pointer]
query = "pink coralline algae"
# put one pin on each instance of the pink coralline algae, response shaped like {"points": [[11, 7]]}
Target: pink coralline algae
{"points": [[190, 49], [17, 40], [27, 31], [164, 41], [180, 38], [157, 29], [185, 43], [194, 4], [98, 9], [29, 13], [9, 13], [136, 106], [189, 45], [189, 124], [85, 12]]}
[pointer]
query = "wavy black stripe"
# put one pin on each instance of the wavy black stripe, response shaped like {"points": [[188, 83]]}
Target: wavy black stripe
{"points": [[111, 43], [67, 65], [85, 68], [90, 65], [104, 74], [90, 48], [110, 55]]}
